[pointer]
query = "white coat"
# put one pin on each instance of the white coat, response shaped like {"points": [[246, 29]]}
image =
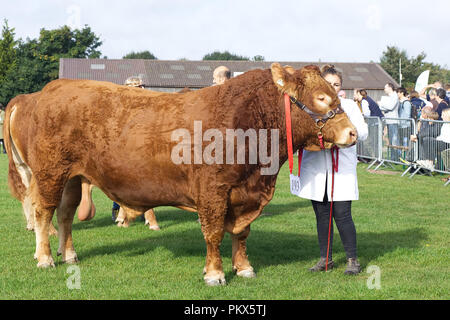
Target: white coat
{"points": [[316, 166]]}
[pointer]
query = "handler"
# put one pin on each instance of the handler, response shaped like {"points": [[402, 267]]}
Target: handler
{"points": [[316, 185]]}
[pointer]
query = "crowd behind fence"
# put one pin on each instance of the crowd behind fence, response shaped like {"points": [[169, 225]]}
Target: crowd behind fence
{"points": [[415, 145]]}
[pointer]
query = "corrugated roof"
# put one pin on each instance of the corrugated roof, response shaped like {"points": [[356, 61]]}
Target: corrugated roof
{"points": [[198, 74]]}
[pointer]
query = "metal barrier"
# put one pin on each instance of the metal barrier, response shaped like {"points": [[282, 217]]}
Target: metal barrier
{"points": [[389, 142], [433, 153], [371, 147]]}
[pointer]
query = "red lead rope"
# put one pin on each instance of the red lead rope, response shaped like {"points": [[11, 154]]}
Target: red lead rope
{"points": [[287, 111], [335, 167]]}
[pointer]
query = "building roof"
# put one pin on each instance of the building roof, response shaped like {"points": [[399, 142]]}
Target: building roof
{"points": [[199, 74]]}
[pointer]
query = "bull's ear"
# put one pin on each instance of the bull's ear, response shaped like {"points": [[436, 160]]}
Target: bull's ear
{"points": [[289, 69], [282, 79]]}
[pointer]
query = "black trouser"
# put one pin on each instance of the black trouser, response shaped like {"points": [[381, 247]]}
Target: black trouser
{"points": [[343, 217]]}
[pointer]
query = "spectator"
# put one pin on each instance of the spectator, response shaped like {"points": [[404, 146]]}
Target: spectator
{"points": [[2, 118], [389, 105], [436, 85], [442, 104], [341, 94], [368, 105], [431, 96], [443, 139], [426, 130], [417, 105], [447, 89], [404, 112], [220, 75]]}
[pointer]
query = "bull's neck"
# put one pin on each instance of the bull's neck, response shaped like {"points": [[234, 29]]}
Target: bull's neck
{"points": [[303, 126]]}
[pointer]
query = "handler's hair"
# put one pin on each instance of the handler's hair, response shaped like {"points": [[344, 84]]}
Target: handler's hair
{"points": [[330, 69]]}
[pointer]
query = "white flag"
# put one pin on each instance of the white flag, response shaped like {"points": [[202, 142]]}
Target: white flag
{"points": [[422, 80]]}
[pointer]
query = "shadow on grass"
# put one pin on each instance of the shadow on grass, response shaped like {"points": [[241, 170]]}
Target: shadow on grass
{"points": [[170, 216], [265, 248]]}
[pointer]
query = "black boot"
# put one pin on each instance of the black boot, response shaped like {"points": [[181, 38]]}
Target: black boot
{"points": [[353, 267], [320, 266]]}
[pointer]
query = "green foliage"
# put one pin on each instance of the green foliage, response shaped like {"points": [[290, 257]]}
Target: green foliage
{"points": [[140, 55], [37, 60], [412, 67], [258, 58], [8, 54], [217, 55]]}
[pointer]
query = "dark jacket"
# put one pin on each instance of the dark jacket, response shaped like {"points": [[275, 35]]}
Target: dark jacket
{"points": [[375, 110]]}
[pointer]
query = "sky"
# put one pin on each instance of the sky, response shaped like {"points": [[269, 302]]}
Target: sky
{"points": [[302, 30]]}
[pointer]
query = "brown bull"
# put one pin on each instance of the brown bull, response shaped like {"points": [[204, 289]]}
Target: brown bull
{"points": [[77, 127]]}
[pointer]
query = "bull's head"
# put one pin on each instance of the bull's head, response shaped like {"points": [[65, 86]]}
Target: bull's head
{"points": [[310, 93]]}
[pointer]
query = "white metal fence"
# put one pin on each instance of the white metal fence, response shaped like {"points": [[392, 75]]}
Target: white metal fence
{"points": [[416, 146]]}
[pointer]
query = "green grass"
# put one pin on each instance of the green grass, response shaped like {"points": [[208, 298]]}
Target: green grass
{"points": [[403, 228]]}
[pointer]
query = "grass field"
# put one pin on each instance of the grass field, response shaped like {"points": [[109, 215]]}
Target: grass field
{"points": [[403, 228]]}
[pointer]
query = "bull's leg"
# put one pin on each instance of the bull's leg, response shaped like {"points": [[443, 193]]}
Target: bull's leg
{"points": [[150, 220], [43, 220], [241, 265], [122, 218], [65, 213], [212, 217]]}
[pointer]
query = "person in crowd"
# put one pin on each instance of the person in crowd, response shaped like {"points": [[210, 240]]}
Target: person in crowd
{"points": [[432, 94], [2, 119], [316, 177], [220, 75], [342, 94], [389, 105], [436, 85], [417, 105], [447, 90], [404, 112], [368, 105], [442, 104], [443, 139], [426, 130]]}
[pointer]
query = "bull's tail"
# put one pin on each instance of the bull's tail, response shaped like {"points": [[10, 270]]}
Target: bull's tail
{"points": [[16, 186]]}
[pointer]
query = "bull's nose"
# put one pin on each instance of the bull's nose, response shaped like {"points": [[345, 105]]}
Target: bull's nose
{"points": [[353, 135]]}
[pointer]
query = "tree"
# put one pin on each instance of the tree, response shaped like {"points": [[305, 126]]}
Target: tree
{"points": [[412, 67], [140, 55], [217, 55], [37, 60], [258, 58], [8, 54]]}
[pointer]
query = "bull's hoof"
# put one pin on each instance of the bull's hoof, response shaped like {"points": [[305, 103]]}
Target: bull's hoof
{"points": [[73, 260], [154, 228], [119, 220], [215, 279], [215, 282], [247, 273], [123, 225], [45, 263]]}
